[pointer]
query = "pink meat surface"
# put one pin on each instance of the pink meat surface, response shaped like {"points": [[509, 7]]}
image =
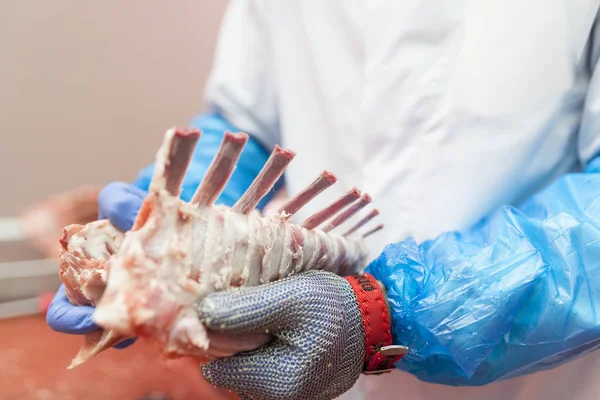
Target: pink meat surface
{"points": [[149, 281], [85, 251]]}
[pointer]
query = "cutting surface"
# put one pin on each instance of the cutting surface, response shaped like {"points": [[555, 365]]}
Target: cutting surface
{"points": [[33, 361]]}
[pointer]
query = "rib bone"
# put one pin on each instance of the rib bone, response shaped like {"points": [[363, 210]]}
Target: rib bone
{"points": [[173, 159], [271, 172], [342, 217], [372, 231], [292, 206], [149, 281], [362, 222], [220, 170], [326, 213]]}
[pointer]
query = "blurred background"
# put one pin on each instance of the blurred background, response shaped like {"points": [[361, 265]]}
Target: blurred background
{"points": [[87, 90]]}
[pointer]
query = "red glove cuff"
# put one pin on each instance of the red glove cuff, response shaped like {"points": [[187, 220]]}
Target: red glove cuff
{"points": [[380, 354]]}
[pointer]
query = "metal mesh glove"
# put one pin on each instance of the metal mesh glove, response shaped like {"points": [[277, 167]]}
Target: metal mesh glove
{"points": [[318, 348]]}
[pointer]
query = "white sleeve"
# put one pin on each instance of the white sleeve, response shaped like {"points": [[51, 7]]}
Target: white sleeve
{"points": [[241, 86], [589, 133]]}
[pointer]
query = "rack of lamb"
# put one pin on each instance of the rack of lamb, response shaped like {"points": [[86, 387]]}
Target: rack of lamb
{"points": [[148, 281]]}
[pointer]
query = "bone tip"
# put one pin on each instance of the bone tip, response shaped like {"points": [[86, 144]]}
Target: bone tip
{"points": [[329, 177], [354, 193], [375, 212], [76, 362], [366, 198], [237, 137], [284, 153], [187, 133]]}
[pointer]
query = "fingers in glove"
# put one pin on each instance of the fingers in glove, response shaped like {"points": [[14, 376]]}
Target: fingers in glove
{"points": [[245, 373], [318, 346], [226, 345], [267, 308], [247, 310], [120, 203], [64, 317]]}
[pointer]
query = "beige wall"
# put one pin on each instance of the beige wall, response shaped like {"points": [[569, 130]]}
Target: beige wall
{"points": [[87, 88]]}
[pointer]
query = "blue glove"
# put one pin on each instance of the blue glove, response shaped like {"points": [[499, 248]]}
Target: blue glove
{"points": [[120, 203], [516, 294], [64, 317]]}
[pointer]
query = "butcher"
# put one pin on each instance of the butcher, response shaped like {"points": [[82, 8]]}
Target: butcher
{"points": [[476, 127]]}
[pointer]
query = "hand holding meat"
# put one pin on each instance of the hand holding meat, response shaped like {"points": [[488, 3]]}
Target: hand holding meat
{"points": [[178, 252], [65, 317], [319, 341], [118, 203], [118, 206]]}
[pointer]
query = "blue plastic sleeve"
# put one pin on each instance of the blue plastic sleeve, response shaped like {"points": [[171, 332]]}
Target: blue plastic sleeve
{"points": [[517, 293], [252, 159]]}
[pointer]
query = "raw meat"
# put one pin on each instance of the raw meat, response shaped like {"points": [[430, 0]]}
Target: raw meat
{"points": [[84, 259], [178, 252]]}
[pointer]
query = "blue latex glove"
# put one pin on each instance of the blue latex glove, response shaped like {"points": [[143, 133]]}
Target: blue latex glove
{"points": [[120, 202], [516, 294], [64, 317]]}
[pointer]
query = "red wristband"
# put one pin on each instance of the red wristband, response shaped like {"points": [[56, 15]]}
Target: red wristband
{"points": [[380, 354]]}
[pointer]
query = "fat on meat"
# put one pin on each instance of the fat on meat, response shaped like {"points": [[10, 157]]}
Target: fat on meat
{"points": [[148, 281]]}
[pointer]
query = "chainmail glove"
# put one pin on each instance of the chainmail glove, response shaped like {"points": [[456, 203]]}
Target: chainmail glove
{"points": [[318, 345]]}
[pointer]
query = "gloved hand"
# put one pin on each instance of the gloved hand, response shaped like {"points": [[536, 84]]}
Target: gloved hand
{"points": [[64, 317], [120, 203], [319, 346]]}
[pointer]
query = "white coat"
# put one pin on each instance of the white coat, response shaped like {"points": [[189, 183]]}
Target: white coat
{"points": [[441, 110]]}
